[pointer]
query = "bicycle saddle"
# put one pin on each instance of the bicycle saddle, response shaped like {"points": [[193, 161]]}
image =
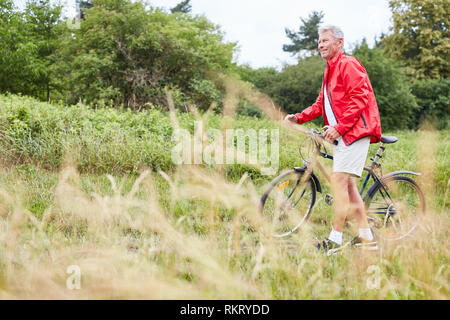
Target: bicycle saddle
{"points": [[389, 139]]}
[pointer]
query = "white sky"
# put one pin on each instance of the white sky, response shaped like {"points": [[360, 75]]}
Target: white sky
{"points": [[258, 25]]}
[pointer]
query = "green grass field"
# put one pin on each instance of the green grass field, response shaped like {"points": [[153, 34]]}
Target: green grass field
{"points": [[96, 189]]}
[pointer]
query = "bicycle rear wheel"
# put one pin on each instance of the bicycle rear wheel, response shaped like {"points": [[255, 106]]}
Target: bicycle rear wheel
{"points": [[395, 207], [288, 202]]}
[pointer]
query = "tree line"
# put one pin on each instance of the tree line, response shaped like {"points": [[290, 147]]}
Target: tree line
{"points": [[126, 54], [408, 68], [121, 54]]}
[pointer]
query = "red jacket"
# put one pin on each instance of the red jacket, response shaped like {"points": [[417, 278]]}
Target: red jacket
{"points": [[351, 98]]}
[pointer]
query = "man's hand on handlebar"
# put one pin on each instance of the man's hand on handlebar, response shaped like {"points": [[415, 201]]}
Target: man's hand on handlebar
{"points": [[291, 118], [330, 133]]}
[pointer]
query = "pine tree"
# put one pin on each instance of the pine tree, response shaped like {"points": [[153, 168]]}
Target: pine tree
{"points": [[305, 40], [82, 6], [183, 7]]}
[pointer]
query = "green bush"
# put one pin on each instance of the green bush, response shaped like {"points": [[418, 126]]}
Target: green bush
{"points": [[117, 142], [433, 98], [105, 140], [126, 54], [294, 88]]}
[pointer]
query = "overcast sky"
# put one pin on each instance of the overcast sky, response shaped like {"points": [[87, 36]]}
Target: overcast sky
{"points": [[258, 25]]}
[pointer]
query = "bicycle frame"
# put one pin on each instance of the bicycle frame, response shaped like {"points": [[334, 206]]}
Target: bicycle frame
{"points": [[305, 177], [370, 170]]}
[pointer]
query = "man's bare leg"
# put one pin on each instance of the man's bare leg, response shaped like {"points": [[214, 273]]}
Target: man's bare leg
{"points": [[357, 204], [340, 185], [347, 199]]}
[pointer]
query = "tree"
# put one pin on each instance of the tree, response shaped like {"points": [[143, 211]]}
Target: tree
{"points": [[15, 50], [27, 41], [262, 78], [183, 7], [42, 20], [305, 40], [124, 54], [297, 87], [83, 5], [294, 88], [420, 37], [433, 98]]}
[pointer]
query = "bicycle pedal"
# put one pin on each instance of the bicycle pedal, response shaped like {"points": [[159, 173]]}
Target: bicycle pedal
{"points": [[335, 251], [329, 199]]}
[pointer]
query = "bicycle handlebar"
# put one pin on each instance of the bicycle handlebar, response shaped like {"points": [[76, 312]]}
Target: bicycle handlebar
{"points": [[320, 135], [311, 132]]}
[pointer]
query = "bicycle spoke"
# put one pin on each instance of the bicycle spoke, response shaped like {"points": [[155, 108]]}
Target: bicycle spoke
{"points": [[398, 214], [288, 203], [396, 207], [386, 218], [394, 225]]}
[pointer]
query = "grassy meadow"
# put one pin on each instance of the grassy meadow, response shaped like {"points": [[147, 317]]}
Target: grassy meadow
{"points": [[97, 189]]}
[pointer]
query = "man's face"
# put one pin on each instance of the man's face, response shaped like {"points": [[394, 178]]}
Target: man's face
{"points": [[328, 46]]}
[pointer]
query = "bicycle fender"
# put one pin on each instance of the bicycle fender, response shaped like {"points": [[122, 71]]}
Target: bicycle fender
{"points": [[390, 174], [400, 172], [313, 176]]}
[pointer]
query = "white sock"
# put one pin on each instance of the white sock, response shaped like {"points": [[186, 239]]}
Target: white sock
{"points": [[366, 234], [335, 236]]}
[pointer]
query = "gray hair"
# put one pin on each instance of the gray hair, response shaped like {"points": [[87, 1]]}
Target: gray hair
{"points": [[337, 32]]}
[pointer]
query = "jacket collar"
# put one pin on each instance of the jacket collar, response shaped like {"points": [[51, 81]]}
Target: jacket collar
{"points": [[335, 59]]}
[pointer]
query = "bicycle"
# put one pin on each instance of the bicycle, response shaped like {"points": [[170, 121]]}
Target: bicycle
{"points": [[394, 202]]}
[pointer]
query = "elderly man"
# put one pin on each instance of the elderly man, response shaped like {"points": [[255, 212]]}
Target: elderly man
{"points": [[348, 106]]}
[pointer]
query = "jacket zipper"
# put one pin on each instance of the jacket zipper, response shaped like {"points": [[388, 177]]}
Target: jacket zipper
{"points": [[364, 121]]}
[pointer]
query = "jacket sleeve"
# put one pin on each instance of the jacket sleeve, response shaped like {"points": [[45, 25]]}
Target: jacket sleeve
{"points": [[311, 112], [354, 78]]}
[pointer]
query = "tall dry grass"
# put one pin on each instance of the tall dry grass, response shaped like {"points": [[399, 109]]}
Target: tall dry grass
{"points": [[139, 244], [128, 246]]}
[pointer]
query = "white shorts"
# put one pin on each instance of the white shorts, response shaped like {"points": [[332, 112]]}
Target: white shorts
{"points": [[351, 159]]}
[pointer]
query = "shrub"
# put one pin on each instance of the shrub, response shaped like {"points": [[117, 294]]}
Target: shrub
{"points": [[432, 96]]}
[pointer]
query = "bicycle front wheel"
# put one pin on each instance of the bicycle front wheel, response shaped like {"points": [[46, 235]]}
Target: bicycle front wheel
{"points": [[288, 202], [395, 207]]}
